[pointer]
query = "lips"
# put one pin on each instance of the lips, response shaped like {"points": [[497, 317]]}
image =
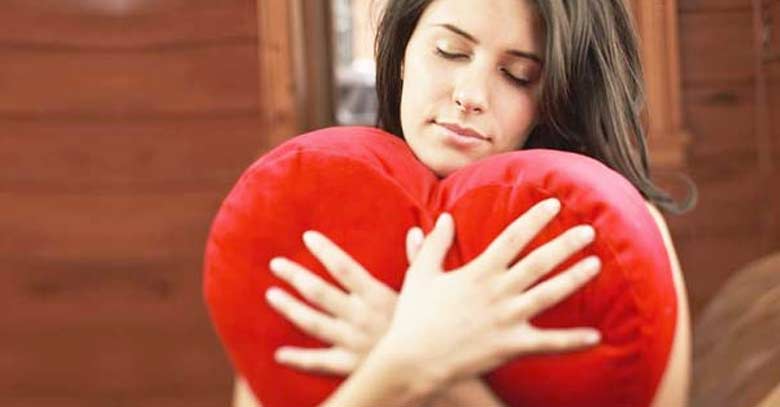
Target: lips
{"points": [[463, 131]]}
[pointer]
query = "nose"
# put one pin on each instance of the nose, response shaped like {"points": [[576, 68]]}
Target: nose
{"points": [[471, 90]]}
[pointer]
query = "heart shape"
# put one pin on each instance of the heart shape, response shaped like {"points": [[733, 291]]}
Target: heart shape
{"points": [[364, 189]]}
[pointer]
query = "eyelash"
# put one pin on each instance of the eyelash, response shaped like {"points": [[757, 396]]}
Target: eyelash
{"points": [[515, 81]]}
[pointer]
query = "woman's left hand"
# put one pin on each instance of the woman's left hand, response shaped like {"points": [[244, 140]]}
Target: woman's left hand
{"points": [[354, 321]]}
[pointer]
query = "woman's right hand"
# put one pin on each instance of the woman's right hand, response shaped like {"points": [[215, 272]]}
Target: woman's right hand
{"points": [[468, 321]]}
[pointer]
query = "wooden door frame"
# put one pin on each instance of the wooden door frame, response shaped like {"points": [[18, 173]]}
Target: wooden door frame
{"points": [[295, 67], [657, 25]]}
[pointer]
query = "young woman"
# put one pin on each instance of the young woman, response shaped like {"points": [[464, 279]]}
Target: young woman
{"points": [[461, 80]]}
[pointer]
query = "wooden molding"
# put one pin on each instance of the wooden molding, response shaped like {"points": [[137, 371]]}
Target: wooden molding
{"points": [[295, 55], [312, 30], [278, 105], [657, 26]]}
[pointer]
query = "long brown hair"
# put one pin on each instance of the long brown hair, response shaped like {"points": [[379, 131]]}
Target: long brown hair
{"points": [[592, 96]]}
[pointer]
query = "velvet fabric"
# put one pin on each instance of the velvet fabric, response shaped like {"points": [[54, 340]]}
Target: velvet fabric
{"points": [[364, 189]]}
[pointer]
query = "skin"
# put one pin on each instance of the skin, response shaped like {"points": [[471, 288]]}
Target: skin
{"points": [[465, 68], [461, 69]]}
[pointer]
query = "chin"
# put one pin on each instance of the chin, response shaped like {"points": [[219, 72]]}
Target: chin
{"points": [[443, 168]]}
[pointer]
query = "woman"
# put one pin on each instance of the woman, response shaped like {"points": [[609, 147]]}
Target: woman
{"points": [[461, 80]]}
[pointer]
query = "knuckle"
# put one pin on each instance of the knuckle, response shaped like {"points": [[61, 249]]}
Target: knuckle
{"points": [[312, 324], [314, 292], [536, 264], [543, 298], [507, 345]]}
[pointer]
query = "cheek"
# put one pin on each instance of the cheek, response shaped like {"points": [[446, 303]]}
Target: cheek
{"points": [[424, 88], [516, 119]]}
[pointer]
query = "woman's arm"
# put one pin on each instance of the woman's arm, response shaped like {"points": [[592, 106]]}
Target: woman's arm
{"points": [[449, 326], [674, 387], [463, 322], [389, 377], [466, 393]]}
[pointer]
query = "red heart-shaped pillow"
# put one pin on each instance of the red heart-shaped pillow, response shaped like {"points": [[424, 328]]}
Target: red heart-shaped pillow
{"points": [[364, 189]]}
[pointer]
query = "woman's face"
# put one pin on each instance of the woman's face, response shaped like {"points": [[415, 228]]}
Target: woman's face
{"points": [[471, 81]]}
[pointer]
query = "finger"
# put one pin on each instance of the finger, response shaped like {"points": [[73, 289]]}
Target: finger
{"points": [[331, 361], [414, 238], [435, 246], [548, 293], [542, 341], [547, 257], [312, 287], [310, 321], [519, 233], [342, 266]]}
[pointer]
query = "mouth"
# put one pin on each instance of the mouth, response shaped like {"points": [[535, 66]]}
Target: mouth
{"points": [[463, 131]]}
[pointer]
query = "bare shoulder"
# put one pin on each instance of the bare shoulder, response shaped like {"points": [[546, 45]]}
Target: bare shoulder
{"points": [[674, 386]]}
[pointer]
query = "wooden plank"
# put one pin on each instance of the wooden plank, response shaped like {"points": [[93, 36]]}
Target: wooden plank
{"points": [[129, 85], [112, 360], [218, 398], [710, 6], [716, 48], [106, 226], [726, 204], [143, 292], [708, 260], [94, 26], [125, 336], [279, 93], [113, 156], [132, 362], [722, 119]]}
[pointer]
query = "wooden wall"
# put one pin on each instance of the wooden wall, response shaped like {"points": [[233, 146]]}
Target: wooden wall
{"points": [[122, 126], [733, 223]]}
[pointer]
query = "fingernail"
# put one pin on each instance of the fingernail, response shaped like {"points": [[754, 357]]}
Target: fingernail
{"points": [[551, 206], [273, 295], [443, 218], [591, 265], [275, 264], [310, 238], [416, 236], [280, 355], [586, 234]]}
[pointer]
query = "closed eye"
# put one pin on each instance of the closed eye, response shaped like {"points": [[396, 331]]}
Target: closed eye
{"points": [[515, 80], [449, 55], [519, 82]]}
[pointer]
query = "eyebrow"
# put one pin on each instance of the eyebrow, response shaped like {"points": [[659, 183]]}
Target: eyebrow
{"points": [[517, 53]]}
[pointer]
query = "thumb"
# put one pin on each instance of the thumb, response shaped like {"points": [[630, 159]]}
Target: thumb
{"points": [[414, 238]]}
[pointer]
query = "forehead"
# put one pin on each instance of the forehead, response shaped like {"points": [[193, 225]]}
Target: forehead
{"points": [[504, 23]]}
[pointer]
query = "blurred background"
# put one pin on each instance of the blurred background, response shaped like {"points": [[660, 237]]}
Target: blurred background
{"points": [[123, 123]]}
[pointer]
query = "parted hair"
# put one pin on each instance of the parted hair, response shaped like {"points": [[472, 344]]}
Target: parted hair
{"points": [[593, 90]]}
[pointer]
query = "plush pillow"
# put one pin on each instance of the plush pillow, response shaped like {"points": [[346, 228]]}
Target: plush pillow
{"points": [[364, 189]]}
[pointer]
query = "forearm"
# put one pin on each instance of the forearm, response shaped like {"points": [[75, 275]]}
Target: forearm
{"points": [[387, 378], [466, 393]]}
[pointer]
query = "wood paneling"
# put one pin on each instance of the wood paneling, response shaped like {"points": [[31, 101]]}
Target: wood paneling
{"points": [[729, 228], [82, 156], [122, 127], [721, 6], [108, 226], [193, 399], [717, 47], [151, 83], [721, 116], [153, 25]]}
